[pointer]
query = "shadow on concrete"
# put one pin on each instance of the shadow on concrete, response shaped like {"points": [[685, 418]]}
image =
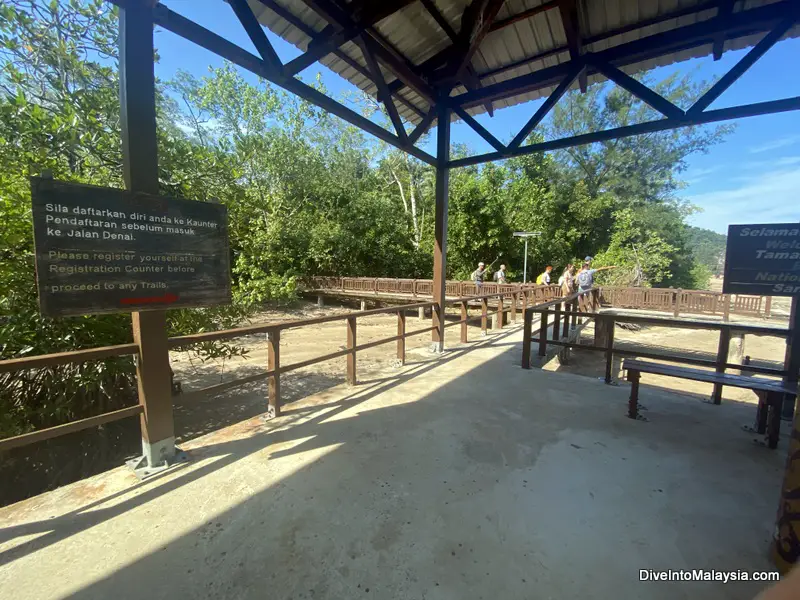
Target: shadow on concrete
{"points": [[494, 483]]}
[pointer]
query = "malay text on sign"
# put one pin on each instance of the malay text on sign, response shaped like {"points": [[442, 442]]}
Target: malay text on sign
{"points": [[763, 260], [101, 250]]}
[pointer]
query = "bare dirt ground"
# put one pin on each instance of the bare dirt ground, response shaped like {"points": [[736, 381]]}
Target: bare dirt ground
{"points": [[197, 412]]}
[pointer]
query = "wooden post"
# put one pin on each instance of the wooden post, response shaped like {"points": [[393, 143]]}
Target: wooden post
{"points": [[557, 321], [565, 327], [768, 307], [574, 315], [140, 171], [440, 222], [722, 359], [464, 324], [524, 301], [499, 323], [274, 380], [514, 307], [791, 361], [527, 328], [484, 314], [351, 345], [543, 332], [726, 315], [401, 341], [677, 307], [609, 347]]}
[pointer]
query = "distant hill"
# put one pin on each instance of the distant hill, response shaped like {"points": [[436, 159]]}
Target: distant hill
{"points": [[708, 248]]}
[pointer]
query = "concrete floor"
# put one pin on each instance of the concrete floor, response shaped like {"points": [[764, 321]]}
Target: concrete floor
{"points": [[462, 477]]}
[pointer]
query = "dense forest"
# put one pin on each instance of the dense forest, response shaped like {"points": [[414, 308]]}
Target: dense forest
{"points": [[307, 194], [708, 248]]}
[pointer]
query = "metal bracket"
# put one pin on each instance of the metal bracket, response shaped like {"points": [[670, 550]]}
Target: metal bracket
{"points": [[142, 471]]}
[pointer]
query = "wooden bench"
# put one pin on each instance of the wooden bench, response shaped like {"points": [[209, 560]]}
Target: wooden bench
{"points": [[770, 392]]}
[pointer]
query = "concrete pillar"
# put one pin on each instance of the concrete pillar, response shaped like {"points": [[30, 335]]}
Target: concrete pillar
{"points": [[320, 301], [363, 305], [736, 351], [421, 313]]}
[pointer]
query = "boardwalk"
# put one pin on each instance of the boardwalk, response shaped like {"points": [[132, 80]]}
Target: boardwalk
{"points": [[456, 476]]}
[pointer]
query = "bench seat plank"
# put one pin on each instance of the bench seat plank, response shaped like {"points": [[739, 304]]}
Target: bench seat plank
{"points": [[740, 381], [770, 392]]}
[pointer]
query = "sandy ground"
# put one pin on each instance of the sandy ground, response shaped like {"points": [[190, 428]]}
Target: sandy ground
{"points": [[197, 413]]}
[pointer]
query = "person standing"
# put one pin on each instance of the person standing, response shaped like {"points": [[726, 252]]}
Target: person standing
{"points": [[477, 276], [500, 276], [567, 280], [544, 278], [585, 276]]}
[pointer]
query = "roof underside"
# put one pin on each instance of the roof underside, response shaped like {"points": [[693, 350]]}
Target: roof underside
{"points": [[525, 38]]}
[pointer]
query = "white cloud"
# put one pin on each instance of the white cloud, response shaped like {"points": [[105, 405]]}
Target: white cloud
{"points": [[694, 176], [767, 197], [775, 144], [786, 161]]}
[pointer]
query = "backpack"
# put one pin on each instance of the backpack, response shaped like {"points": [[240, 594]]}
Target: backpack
{"points": [[561, 280], [585, 279], [540, 279]]}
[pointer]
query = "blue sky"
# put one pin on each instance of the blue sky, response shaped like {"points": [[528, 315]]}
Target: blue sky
{"points": [[752, 177]]}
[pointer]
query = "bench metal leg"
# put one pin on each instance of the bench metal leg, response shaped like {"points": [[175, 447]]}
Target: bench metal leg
{"points": [[633, 401], [775, 401]]}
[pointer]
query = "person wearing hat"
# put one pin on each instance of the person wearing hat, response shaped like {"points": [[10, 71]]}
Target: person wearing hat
{"points": [[477, 275]]}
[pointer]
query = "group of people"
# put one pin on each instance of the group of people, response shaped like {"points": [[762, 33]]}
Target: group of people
{"points": [[570, 281]]}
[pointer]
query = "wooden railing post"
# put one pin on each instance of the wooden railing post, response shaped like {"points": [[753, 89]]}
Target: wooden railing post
{"points": [[575, 308], [514, 307], [401, 341], [609, 347], [524, 301], [499, 322], [677, 304], [464, 324], [557, 321], [351, 346], [274, 365], [527, 318], [543, 332], [722, 359], [768, 307], [726, 315], [484, 314], [565, 327]]}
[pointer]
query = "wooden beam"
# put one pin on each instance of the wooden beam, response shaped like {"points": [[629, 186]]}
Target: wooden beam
{"points": [[294, 20], [471, 79], [256, 34], [321, 46], [480, 129], [475, 24], [423, 125], [548, 105], [740, 24], [440, 224], [525, 14], [568, 9], [741, 67], [724, 10], [201, 36], [711, 116], [379, 46], [383, 92], [638, 89]]}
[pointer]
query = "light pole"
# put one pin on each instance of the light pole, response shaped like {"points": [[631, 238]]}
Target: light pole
{"points": [[526, 235]]}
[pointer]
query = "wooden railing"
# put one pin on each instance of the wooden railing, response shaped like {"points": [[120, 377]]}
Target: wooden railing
{"points": [[275, 367], [422, 287], [680, 302], [669, 300], [607, 322]]}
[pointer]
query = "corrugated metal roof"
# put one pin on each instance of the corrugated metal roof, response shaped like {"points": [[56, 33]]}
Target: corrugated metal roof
{"points": [[414, 33]]}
